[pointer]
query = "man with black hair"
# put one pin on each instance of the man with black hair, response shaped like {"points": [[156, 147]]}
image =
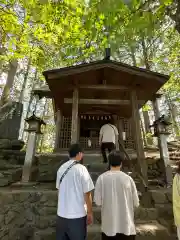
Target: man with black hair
{"points": [[74, 186], [108, 138], [117, 195]]}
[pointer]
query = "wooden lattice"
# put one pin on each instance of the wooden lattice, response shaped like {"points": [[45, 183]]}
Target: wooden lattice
{"points": [[127, 128], [65, 135]]}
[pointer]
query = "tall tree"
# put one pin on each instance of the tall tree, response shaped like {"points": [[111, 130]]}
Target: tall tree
{"points": [[21, 97], [13, 64]]}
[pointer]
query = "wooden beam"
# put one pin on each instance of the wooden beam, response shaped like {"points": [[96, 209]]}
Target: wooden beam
{"points": [[142, 165], [74, 124], [103, 87], [98, 101]]}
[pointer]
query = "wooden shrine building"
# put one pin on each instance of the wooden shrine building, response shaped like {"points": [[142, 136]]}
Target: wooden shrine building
{"points": [[86, 95]]}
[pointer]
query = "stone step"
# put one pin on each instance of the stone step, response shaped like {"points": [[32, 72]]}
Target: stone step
{"points": [[9, 176], [47, 217], [145, 231], [14, 174], [98, 167]]}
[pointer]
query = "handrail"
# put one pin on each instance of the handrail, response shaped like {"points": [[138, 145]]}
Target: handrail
{"points": [[121, 147]]}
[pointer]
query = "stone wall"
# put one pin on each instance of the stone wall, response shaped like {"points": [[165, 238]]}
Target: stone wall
{"points": [[26, 213], [11, 162], [23, 213], [48, 165]]}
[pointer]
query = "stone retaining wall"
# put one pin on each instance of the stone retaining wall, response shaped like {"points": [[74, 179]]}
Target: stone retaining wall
{"points": [[27, 211], [22, 212], [11, 162], [48, 165], [14, 157]]}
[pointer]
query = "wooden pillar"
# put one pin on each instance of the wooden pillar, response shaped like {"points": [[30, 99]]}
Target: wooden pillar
{"points": [[58, 130], [163, 147], [141, 162], [74, 124]]}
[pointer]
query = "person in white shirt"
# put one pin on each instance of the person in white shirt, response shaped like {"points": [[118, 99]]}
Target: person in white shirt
{"points": [[117, 195], [108, 139], [74, 186]]}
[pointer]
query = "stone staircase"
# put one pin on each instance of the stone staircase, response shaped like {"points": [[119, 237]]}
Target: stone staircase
{"points": [[29, 212], [150, 222], [147, 227]]}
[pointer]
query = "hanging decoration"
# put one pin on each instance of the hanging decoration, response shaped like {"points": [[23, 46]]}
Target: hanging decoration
{"points": [[95, 117]]}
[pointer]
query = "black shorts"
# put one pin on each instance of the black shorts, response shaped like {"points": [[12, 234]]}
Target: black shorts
{"points": [[71, 229]]}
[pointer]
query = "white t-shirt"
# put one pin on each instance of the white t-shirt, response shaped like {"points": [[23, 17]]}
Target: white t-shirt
{"points": [[108, 132], [117, 195], [77, 181]]}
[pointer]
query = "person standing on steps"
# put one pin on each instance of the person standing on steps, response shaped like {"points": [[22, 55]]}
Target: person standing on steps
{"points": [[117, 195], [108, 139], [176, 199], [74, 186]]}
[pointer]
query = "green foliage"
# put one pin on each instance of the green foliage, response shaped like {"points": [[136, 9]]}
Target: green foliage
{"points": [[146, 108], [61, 33]]}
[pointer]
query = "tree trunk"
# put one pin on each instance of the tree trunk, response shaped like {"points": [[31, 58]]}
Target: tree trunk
{"points": [[31, 99], [173, 115], [147, 129], [175, 16], [145, 114], [143, 132], [13, 65], [21, 97], [133, 56], [41, 139], [145, 54]]}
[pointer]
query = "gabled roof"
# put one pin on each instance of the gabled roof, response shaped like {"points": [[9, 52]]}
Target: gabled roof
{"points": [[101, 73], [72, 70]]}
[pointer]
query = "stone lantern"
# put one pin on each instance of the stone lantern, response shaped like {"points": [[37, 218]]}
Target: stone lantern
{"points": [[35, 123], [161, 126], [161, 131]]}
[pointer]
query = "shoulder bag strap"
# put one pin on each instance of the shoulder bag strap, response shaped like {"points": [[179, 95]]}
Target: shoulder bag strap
{"points": [[67, 170], [112, 128]]}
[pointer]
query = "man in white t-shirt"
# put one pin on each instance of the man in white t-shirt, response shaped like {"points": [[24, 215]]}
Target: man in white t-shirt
{"points": [[108, 139], [117, 195], [74, 186]]}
